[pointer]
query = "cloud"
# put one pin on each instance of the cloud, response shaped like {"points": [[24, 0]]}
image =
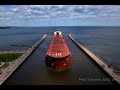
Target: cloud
{"points": [[61, 12], [66, 11], [1, 8]]}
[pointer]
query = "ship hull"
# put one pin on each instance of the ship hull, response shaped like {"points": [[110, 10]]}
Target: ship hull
{"points": [[58, 63], [58, 55]]}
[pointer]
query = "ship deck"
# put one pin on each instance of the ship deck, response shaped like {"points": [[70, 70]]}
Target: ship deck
{"points": [[58, 48]]}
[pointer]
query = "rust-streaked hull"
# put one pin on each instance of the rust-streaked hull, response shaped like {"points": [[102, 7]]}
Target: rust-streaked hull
{"points": [[58, 55]]}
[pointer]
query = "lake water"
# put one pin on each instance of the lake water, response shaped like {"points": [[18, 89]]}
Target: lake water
{"points": [[103, 41]]}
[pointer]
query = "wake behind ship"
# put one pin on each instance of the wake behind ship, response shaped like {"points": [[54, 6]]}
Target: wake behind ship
{"points": [[58, 55]]}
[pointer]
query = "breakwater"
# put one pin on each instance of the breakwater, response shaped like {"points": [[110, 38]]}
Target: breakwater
{"points": [[110, 71], [6, 72]]}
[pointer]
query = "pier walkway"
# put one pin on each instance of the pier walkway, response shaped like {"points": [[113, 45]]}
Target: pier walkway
{"points": [[6, 72], [113, 73]]}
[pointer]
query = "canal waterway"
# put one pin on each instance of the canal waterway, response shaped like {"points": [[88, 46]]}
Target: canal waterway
{"points": [[33, 71]]}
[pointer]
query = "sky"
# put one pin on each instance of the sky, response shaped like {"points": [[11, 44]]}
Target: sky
{"points": [[59, 15]]}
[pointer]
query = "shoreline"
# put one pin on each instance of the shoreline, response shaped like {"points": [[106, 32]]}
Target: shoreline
{"points": [[6, 72]]}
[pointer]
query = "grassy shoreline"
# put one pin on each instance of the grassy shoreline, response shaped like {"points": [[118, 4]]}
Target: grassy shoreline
{"points": [[7, 57]]}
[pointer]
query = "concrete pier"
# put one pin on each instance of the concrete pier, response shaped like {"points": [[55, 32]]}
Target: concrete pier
{"points": [[113, 73], [6, 72]]}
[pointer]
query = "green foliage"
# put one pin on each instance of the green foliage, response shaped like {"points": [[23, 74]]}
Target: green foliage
{"points": [[9, 57]]}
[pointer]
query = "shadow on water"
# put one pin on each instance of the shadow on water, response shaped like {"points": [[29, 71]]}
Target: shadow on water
{"points": [[58, 77]]}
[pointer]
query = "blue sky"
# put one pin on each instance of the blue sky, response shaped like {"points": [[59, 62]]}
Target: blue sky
{"points": [[59, 15]]}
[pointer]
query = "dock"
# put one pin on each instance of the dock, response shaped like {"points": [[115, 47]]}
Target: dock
{"points": [[110, 71], [6, 72]]}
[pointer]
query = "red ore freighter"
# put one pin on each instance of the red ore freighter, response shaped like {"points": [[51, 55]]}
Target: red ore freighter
{"points": [[58, 55]]}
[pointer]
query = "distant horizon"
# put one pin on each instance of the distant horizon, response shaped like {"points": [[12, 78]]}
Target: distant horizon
{"points": [[59, 26]]}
